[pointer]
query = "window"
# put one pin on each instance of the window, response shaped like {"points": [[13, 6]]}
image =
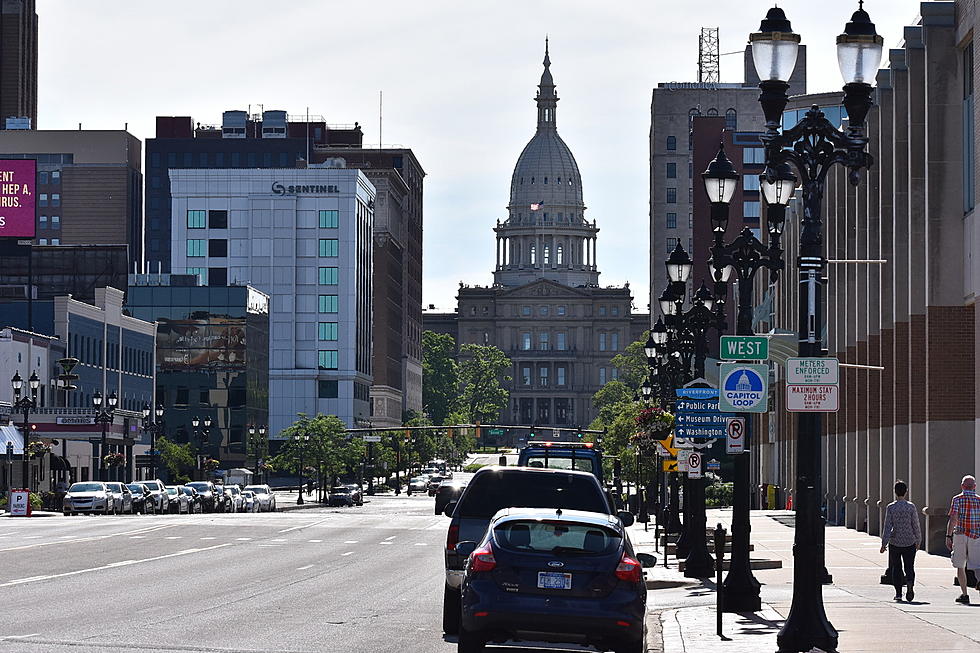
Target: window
{"points": [[671, 220], [602, 342], [196, 247], [560, 341], [560, 375], [615, 341], [672, 196], [328, 304], [55, 241], [543, 376], [217, 276], [602, 376], [615, 311], [196, 219], [750, 209], [561, 310], [756, 155], [671, 171], [526, 341], [969, 182], [671, 143], [327, 389], [690, 220], [329, 219], [731, 119], [42, 177], [218, 219], [329, 247], [526, 375], [712, 112], [56, 222], [534, 257], [327, 331], [328, 276], [543, 338], [42, 222], [327, 359], [690, 194], [750, 182], [42, 199], [547, 255], [56, 176], [55, 199], [602, 311], [218, 247], [525, 310], [614, 372], [672, 244], [200, 272], [42, 241], [559, 255]]}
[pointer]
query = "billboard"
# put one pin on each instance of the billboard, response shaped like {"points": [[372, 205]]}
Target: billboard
{"points": [[17, 213]]}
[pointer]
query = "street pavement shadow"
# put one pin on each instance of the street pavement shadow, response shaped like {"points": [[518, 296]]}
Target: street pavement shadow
{"points": [[752, 624]]}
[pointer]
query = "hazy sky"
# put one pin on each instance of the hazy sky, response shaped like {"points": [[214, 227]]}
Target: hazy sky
{"points": [[458, 79]]}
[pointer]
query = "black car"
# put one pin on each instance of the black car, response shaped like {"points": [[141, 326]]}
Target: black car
{"points": [[448, 492], [194, 503], [143, 499], [494, 488], [341, 495], [553, 575], [212, 497]]}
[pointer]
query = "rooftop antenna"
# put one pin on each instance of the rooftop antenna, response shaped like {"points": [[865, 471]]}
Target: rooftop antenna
{"points": [[380, 116], [708, 56]]}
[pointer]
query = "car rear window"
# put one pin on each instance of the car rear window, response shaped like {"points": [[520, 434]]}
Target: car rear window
{"points": [[556, 537], [560, 462], [491, 492]]}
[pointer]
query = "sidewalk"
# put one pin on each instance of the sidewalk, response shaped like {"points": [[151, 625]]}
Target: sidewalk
{"points": [[863, 611]]}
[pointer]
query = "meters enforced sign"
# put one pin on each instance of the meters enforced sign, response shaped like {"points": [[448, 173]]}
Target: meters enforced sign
{"points": [[743, 388]]}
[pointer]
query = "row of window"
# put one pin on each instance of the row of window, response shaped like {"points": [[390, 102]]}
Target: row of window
{"points": [[544, 376], [218, 219], [607, 341], [45, 177], [672, 220], [567, 181], [44, 241], [218, 247], [217, 159], [89, 350], [43, 222], [44, 200]]}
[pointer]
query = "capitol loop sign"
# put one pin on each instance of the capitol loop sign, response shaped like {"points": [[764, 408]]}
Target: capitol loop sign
{"points": [[744, 388]]}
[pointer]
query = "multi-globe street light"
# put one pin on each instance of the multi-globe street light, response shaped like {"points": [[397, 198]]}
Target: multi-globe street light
{"points": [[813, 147], [104, 412], [25, 405], [256, 442], [154, 428], [301, 440]]}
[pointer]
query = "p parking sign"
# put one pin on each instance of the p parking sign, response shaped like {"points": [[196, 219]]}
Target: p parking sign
{"points": [[744, 388]]}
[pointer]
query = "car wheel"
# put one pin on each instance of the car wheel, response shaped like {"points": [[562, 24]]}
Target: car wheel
{"points": [[469, 642], [450, 610], [67, 514], [633, 647]]}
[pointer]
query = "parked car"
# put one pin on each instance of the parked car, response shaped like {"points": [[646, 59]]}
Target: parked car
{"points": [[494, 488], [356, 493], [90, 497], [251, 503], [160, 496], [194, 502], [418, 484], [143, 500], [233, 499], [122, 498], [220, 498], [553, 575], [265, 496], [447, 492], [208, 494], [179, 502]]}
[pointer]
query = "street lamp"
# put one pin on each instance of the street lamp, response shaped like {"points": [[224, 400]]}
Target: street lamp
{"points": [[25, 404], [104, 416], [301, 441], [154, 428], [813, 146]]}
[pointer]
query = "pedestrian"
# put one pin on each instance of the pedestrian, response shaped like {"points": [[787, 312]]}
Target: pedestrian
{"points": [[902, 537], [963, 533]]}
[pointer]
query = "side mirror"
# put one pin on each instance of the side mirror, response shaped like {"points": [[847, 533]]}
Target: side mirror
{"points": [[450, 508], [465, 548], [626, 518], [646, 559]]}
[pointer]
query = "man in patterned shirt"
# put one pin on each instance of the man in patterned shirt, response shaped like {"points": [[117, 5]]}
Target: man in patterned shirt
{"points": [[902, 537], [963, 533]]}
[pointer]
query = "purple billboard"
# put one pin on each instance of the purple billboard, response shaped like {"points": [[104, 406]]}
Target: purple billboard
{"points": [[17, 177]]}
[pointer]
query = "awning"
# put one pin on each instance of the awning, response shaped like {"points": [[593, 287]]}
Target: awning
{"points": [[11, 434], [60, 464]]}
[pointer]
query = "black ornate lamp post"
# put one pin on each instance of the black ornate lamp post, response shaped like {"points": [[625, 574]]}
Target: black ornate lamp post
{"points": [[256, 442], [301, 441], [154, 428], [813, 147], [25, 404], [665, 389], [104, 416], [743, 257]]}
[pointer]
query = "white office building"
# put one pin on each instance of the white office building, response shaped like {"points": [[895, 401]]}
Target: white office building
{"points": [[304, 237]]}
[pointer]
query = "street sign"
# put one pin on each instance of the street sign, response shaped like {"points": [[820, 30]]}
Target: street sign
{"points": [[735, 435], [812, 398], [694, 465], [83, 419], [744, 348], [19, 503], [682, 459], [744, 388], [713, 465], [668, 446], [372, 438], [812, 371], [669, 465], [495, 431]]}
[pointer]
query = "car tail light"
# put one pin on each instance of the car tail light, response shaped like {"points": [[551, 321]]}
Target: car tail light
{"points": [[482, 559], [452, 539], [629, 570]]}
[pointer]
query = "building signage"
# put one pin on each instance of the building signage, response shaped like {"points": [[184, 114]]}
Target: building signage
{"points": [[744, 348], [744, 388], [82, 419], [812, 398], [812, 371], [304, 189], [17, 213], [735, 431]]}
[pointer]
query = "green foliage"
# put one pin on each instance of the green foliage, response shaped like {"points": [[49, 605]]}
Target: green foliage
{"points": [[177, 458], [632, 363], [473, 468], [440, 375], [481, 373], [326, 450], [718, 495]]}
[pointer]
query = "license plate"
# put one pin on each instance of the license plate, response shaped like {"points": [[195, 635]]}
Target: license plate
{"points": [[554, 580]]}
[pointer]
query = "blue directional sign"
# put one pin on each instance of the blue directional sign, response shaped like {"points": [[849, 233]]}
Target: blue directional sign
{"points": [[697, 416]]}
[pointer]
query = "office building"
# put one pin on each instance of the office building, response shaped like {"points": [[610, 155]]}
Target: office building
{"points": [[18, 64], [304, 237], [56, 270]]}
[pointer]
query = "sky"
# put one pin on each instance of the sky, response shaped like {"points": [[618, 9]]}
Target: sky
{"points": [[458, 82]]}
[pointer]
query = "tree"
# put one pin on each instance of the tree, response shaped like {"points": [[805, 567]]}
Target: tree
{"points": [[177, 458], [632, 363], [481, 392], [440, 375], [328, 450]]}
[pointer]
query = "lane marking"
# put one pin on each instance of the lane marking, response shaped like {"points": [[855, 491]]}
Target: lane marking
{"points": [[390, 538], [277, 540], [421, 544], [314, 540], [385, 542], [351, 542], [7, 637], [112, 565], [93, 538], [209, 538], [243, 539], [174, 537], [343, 554], [296, 528], [304, 568]]}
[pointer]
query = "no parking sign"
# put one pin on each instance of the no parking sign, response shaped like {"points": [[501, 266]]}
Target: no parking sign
{"points": [[694, 465], [744, 388], [735, 442]]}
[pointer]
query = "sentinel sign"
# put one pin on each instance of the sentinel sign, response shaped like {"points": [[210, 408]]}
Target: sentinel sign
{"points": [[17, 198]]}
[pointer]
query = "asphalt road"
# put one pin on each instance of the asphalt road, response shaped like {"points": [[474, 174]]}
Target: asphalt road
{"points": [[365, 579]]}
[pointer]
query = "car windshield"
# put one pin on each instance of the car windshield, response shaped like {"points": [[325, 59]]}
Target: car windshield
{"points": [[189, 490], [86, 487], [115, 487], [490, 492], [135, 487], [171, 490], [247, 494], [234, 490], [257, 490], [153, 485], [556, 537], [200, 487], [340, 490], [563, 461]]}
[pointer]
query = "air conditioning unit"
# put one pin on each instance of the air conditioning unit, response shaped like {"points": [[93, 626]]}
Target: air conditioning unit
{"points": [[13, 292]]}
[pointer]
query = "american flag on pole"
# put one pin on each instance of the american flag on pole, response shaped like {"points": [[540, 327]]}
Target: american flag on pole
{"points": [[537, 205]]}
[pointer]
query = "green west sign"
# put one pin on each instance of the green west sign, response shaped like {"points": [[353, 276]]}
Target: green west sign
{"points": [[744, 348]]}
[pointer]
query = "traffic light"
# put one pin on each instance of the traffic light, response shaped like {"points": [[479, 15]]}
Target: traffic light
{"points": [[408, 435]]}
